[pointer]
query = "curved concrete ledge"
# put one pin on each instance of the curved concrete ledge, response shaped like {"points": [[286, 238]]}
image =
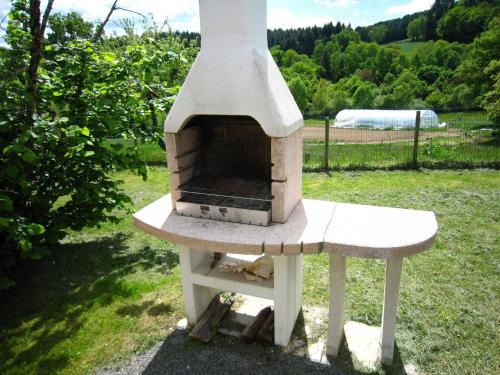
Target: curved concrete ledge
{"points": [[343, 229], [379, 232], [302, 233]]}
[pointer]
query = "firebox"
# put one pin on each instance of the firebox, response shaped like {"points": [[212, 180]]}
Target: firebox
{"points": [[234, 133]]}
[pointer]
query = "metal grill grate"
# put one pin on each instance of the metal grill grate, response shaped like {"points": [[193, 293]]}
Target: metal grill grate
{"points": [[232, 188]]}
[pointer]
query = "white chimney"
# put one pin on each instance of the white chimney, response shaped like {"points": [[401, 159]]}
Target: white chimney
{"points": [[234, 73]]}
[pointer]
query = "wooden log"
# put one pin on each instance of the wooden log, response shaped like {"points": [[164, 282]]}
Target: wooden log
{"points": [[266, 332], [250, 333], [206, 328]]}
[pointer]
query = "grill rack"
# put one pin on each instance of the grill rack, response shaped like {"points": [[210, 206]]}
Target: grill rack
{"points": [[232, 188]]}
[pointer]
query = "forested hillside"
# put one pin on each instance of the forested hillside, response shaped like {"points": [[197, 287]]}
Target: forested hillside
{"points": [[459, 70], [455, 66]]}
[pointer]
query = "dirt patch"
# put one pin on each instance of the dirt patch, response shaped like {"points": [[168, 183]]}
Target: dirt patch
{"points": [[364, 136]]}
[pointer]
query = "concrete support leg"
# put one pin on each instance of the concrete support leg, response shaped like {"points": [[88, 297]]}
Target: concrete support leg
{"points": [[391, 292], [196, 298], [337, 300], [287, 296]]}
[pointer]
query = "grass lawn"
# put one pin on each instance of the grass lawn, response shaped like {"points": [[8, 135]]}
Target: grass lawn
{"points": [[406, 46], [110, 292]]}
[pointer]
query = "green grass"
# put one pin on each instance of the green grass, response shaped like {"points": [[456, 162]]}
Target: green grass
{"points": [[439, 152], [467, 120], [110, 292], [316, 122]]}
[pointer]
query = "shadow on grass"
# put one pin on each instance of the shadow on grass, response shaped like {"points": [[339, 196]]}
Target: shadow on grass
{"points": [[48, 303]]}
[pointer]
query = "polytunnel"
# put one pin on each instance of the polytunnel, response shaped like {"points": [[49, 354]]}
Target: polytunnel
{"points": [[384, 119]]}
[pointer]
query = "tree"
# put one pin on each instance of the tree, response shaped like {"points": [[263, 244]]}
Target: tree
{"points": [[378, 33], [321, 98], [491, 100], [437, 100], [299, 92], [472, 70], [67, 27], [339, 100], [59, 106], [364, 97], [437, 11], [345, 37], [416, 28], [464, 23]]}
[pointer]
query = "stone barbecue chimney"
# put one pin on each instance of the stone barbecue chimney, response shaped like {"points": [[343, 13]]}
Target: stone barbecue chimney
{"points": [[234, 138]]}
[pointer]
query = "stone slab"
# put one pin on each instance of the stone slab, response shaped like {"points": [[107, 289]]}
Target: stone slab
{"points": [[286, 156], [364, 344], [304, 229], [379, 232]]}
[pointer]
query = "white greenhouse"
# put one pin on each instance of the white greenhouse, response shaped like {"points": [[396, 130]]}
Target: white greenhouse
{"points": [[384, 119]]}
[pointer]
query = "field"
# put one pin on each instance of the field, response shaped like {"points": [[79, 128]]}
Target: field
{"points": [[405, 45], [110, 292]]}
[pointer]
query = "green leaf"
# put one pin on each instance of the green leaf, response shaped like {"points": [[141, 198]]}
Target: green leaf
{"points": [[108, 56], [86, 132], [16, 148], [11, 171], [48, 48], [57, 93], [4, 222], [6, 203], [35, 229], [25, 244], [89, 153], [29, 157]]}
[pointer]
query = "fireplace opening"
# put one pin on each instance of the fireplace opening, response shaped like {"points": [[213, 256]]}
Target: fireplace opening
{"points": [[230, 175]]}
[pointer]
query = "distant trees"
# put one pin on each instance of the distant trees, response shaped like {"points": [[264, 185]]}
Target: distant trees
{"points": [[364, 96], [299, 92], [378, 33], [437, 11], [67, 27], [491, 100], [347, 72], [416, 28], [465, 22]]}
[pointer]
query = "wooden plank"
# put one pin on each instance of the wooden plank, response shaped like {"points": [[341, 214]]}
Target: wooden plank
{"points": [[206, 328], [250, 333], [266, 332]]}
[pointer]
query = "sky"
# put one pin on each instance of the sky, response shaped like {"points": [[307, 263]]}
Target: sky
{"points": [[184, 15]]}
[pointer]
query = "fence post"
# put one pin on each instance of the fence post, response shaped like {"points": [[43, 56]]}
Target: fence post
{"points": [[415, 141], [327, 141]]}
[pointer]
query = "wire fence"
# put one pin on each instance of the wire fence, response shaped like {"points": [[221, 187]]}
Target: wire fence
{"points": [[459, 139]]}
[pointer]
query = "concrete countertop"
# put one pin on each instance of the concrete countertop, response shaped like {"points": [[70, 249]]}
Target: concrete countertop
{"points": [[314, 226]]}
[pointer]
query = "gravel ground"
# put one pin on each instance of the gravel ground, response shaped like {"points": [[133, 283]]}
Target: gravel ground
{"points": [[180, 355]]}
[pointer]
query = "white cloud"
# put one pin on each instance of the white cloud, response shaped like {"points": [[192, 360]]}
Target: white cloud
{"points": [[285, 19], [336, 3], [411, 7], [182, 15]]}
